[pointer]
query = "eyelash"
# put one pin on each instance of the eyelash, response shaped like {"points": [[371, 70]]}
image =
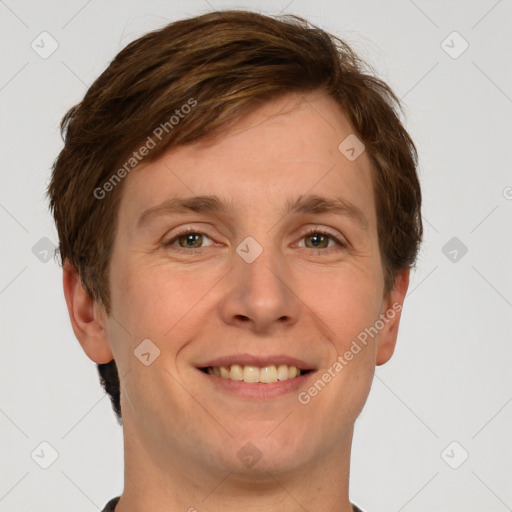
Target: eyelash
{"points": [[316, 231]]}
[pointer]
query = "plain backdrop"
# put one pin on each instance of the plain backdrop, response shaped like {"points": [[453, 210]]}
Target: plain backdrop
{"points": [[435, 433]]}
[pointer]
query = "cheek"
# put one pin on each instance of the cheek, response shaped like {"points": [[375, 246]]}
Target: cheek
{"points": [[347, 302], [158, 302], [148, 323]]}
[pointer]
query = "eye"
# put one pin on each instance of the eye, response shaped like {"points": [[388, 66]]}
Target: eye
{"points": [[320, 239], [187, 239]]}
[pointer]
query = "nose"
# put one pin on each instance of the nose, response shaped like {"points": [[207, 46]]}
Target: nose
{"points": [[260, 295]]}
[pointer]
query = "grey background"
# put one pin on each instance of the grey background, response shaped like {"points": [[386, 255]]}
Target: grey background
{"points": [[449, 379]]}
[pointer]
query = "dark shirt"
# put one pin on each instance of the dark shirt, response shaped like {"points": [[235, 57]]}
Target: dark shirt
{"points": [[111, 505]]}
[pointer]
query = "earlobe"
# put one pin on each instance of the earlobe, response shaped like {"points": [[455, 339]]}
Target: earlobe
{"points": [[87, 320], [391, 313]]}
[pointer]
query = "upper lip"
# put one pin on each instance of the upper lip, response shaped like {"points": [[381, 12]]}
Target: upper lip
{"points": [[260, 361]]}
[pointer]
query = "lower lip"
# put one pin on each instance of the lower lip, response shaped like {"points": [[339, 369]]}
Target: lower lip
{"points": [[258, 390]]}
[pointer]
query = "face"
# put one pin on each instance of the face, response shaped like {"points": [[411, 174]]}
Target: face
{"points": [[252, 282]]}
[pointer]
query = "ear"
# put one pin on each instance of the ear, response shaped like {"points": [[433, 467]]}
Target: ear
{"points": [[391, 312], [87, 318]]}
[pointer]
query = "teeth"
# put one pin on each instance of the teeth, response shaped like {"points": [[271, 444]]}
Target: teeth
{"points": [[251, 374], [236, 372], [282, 372], [292, 372], [268, 374], [254, 374]]}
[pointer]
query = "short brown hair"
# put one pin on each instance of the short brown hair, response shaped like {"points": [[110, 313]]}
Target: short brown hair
{"points": [[225, 63]]}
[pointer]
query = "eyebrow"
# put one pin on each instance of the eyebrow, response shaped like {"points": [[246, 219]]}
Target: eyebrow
{"points": [[309, 204]]}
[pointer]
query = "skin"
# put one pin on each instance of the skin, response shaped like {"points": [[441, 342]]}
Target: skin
{"points": [[181, 434]]}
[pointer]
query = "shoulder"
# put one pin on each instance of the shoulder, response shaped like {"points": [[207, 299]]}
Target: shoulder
{"points": [[110, 506]]}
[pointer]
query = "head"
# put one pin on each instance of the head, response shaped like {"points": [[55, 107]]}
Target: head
{"points": [[251, 109]]}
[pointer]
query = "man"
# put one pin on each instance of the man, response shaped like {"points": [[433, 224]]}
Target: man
{"points": [[238, 211]]}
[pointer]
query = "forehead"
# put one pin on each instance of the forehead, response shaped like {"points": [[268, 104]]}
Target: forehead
{"points": [[286, 148]]}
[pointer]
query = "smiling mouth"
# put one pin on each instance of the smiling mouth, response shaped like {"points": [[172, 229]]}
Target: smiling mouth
{"points": [[255, 374]]}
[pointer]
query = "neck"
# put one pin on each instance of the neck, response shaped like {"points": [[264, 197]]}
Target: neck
{"points": [[167, 484]]}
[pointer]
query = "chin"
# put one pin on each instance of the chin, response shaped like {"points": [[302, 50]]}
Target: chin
{"points": [[262, 451]]}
